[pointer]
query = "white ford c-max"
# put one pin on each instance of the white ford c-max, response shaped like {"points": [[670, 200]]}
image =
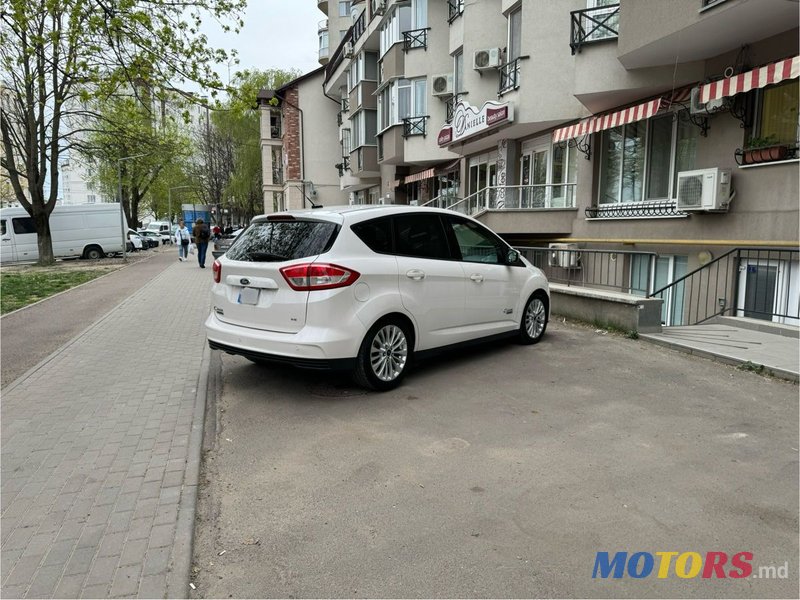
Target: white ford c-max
{"points": [[366, 288]]}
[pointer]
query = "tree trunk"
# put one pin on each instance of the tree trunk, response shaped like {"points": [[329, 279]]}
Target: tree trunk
{"points": [[41, 220]]}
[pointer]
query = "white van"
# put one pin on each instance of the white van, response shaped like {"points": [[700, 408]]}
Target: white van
{"points": [[84, 230]]}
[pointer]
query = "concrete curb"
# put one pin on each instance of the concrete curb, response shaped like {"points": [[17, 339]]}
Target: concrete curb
{"points": [[181, 561]]}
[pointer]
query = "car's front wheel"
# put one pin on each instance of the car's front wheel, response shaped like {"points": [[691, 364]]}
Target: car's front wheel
{"points": [[384, 356], [534, 318]]}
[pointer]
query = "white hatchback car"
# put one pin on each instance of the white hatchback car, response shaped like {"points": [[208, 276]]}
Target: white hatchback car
{"points": [[366, 288]]}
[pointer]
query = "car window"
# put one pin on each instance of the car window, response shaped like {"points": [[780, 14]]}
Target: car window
{"points": [[3, 228], [23, 225], [476, 243], [421, 235], [283, 240], [376, 234]]}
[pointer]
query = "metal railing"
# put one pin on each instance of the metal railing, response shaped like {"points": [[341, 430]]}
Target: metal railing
{"points": [[667, 208], [414, 126], [602, 269], [360, 26], [415, 38], [338, 54], [518, 197], [442, 201], [509, 76], [593, 25], [450, 107], [760, 283], [455, 8]]}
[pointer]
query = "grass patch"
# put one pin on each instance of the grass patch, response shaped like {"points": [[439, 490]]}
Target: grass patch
{"points": [[18, 289]]}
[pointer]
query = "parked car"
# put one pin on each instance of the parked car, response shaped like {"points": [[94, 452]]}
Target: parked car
{"points": [[221, 244], [153, 238], [139, 243], [368, 288]]}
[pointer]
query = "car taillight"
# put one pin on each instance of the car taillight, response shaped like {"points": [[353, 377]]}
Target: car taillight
{"points": [[217, 268], [307, 277]]}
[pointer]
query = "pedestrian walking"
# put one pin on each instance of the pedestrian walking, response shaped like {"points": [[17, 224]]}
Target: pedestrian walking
{"points": [[182, 238], [201, 234]]}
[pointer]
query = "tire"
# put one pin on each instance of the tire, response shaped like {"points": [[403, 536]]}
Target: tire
{"points": [[93, 253], [384, 356], [534, 318]]}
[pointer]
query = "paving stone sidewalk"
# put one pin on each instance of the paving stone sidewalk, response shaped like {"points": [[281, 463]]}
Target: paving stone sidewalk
{"points": [[101, 448]]}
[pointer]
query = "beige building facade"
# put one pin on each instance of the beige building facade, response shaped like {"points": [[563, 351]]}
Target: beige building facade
{"points": [[667, 129]]}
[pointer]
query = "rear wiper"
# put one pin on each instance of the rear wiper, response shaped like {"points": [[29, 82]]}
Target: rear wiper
{"points": [[266, 257]]}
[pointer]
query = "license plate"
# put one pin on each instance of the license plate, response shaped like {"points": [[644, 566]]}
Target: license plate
{"points": [[248, 295]]}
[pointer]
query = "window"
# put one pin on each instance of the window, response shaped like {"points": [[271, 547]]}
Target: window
{"points": [[420, 14], [364, 68], [3, 227], [514, 35], [364, 128], [458, 71], [547, 174], [264, 240], [398, 21], [475, 243], [422, 236], [666, 268], [344, 8], [402, 99], [376, 234], [346, 145], [609, 17], [323, 43], [23, 225], [90, 199], [641, 161], [777, 114]]}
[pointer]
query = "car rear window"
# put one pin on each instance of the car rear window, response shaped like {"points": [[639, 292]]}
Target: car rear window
{"points": [[268, 241]]}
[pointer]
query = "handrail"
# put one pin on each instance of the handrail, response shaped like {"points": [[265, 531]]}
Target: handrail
{"points": [[525, 197], [415, 38]]}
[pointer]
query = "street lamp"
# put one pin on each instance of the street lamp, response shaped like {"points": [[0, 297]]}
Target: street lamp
{"points": [[169, 194], [121, 210]]}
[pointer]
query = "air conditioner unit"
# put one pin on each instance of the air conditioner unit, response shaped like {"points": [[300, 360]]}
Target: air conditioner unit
{"points": [[491, 58], [348, 49], [442, 85], [380, 7], [698, 108], [565, 256], [704, 190]]}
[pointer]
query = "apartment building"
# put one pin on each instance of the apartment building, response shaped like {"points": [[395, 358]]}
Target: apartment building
{"points": [[661, 137]]}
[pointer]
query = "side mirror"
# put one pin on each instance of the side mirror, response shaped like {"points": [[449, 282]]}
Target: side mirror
{"points": [[512, 257]]}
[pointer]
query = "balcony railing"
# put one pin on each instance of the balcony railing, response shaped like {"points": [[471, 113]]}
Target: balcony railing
{"points": [[594, 25], [343, 166], [450, 107], [666, 208], [518, 197], [509, 76], [455, 8], [601, 269], [338, 54], [377, 7], [414, 126], [360, 26], [415, 38]]}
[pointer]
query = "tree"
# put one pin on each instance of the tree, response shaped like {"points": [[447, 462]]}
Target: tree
{"points": [[57, 55]]}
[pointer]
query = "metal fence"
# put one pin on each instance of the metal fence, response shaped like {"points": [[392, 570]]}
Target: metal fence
{"points": [[512, 197]]}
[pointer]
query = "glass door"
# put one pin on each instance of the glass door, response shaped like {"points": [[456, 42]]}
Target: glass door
{"points": [[482, 174]]}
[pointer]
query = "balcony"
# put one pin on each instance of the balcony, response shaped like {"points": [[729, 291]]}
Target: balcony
{"points": [[455, 8], [594, 25], [343, 166], [323, 5], [391, 145], [360, 26], [414, 126], [324, 50], [509, 76], [364, 161], [450, 107], [415, 38]]}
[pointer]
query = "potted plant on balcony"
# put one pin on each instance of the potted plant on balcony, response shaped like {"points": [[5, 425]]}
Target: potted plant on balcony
{"points": [[764, 149]]}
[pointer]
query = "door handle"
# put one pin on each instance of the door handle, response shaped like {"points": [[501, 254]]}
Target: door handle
{"points": [[415, 274], [476, 277]]}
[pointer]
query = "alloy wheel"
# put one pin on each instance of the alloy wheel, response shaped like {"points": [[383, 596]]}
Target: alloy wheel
{"points": [[388, 353]]}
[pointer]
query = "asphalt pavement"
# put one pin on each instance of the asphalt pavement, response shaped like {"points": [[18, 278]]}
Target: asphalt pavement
{"points": [[101, 439]]}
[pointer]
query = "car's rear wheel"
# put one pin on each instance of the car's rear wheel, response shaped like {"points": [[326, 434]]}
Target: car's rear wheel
{"points": [[534, 318], [384, 356]]}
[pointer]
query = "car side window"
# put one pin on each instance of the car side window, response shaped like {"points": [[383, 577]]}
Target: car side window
{"points": [[475, 243], [421, 235], [3, 228], [376, 234], [23, 225]]}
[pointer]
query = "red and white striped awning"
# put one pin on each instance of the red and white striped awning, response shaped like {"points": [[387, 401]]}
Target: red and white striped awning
{"points": [[614, 119], [426, 174], [776, 72], [642, 111]]}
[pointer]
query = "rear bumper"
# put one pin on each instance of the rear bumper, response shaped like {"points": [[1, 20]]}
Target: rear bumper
{"points": [[311, 348], [334, 364]]}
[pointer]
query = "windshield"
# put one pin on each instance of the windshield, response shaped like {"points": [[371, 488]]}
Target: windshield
{"points": [[269, 241]]}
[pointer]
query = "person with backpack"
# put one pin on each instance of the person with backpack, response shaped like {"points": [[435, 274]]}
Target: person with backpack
{"points": [[201, 234], [182, 239]]}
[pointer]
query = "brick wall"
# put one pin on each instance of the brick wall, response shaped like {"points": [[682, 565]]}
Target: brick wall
{"points": [[291, 134]]}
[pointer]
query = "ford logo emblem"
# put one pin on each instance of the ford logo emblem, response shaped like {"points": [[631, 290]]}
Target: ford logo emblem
{"points": [[244, 281]]}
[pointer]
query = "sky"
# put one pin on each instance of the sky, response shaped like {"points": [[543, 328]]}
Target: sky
{"points": [[277, 34]]}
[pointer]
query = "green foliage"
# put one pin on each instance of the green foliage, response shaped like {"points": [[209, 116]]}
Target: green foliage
{"points": [[26, 287], [761, 142]]}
